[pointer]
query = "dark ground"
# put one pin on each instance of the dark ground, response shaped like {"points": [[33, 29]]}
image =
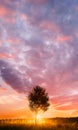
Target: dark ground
{"points": [[45, 124]]}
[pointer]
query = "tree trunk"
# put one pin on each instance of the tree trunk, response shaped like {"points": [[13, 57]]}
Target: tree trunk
{"points": [[36, 118]]}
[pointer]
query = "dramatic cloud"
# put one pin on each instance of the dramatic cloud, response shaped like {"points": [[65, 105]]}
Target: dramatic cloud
{"points": [[39, 46]]}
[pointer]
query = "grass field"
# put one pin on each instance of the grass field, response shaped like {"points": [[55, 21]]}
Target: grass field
{"points": [[43, 124]]}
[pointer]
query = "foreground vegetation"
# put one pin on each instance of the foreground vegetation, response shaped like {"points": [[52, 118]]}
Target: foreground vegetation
{"points": [[44, 124]]}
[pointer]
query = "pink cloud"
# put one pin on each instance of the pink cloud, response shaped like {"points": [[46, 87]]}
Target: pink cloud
{"points": [[67, 106], [3, 11], [50, 26], [5, 55], [11, 40], [24, 17], [64, 38], [65, 102], [7, 14]]}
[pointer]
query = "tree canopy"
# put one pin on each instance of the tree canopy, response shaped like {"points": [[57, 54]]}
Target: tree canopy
{"points": [[38, 99]]}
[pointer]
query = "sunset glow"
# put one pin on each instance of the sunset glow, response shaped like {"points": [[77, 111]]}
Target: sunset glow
{"points": [[38, 46], [39, 117]]}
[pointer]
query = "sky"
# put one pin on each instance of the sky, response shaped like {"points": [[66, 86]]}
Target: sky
{"points": [[38, 46]]}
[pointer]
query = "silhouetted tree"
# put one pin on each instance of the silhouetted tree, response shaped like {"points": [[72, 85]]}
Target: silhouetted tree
{"points": [[38, 100]]}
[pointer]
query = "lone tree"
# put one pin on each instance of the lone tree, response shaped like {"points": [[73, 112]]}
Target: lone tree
{"points": [[38, 100]]}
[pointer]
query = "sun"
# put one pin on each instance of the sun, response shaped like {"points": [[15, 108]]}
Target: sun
{"points": [[38, 117]]}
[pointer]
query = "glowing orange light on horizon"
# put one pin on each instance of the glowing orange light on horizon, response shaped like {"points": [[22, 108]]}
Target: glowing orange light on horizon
{"points": [[39, 117]]}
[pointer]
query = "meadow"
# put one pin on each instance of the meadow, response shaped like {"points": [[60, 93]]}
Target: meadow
{"points": [[43, 124]]}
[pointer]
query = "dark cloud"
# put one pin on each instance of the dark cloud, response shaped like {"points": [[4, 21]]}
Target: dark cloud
{"points": [[3, 64], [13, 77]]}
